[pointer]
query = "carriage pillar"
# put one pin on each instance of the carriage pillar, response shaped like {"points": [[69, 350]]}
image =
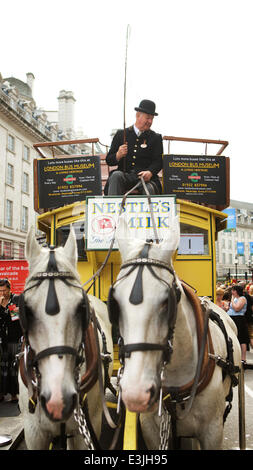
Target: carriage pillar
{"points": [[241, 410]]}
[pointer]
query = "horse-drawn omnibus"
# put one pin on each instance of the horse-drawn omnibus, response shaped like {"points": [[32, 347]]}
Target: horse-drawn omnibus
{"points": [[195, 261]]}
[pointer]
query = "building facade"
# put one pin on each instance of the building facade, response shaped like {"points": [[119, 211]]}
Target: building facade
{"points": [[22, 125], [234, 248]]}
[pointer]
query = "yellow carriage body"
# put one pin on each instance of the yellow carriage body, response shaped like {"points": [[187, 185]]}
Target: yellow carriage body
{"points": [[197, 270]]}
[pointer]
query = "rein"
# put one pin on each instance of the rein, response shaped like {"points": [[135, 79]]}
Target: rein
{"points": [[123, 202]]}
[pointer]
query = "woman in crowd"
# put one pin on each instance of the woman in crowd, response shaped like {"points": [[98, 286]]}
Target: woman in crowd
{"points": [[237, 309], [219, 299], [10, 334]]}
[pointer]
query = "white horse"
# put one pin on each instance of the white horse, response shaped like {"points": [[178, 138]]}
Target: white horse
{"points": [[56, 341], [161, 343]]}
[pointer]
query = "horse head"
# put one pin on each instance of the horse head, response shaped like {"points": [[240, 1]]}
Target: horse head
{"points": [[54, 313], [143, 301]]}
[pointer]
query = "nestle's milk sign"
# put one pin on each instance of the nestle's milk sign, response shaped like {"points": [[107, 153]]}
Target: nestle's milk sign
{"points": [[102, 214]]}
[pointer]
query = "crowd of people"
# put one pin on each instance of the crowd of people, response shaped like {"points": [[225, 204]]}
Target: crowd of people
{"points": [[10, 341], [236, 299]]}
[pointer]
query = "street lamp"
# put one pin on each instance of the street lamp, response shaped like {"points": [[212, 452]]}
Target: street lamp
{"points": [[250, 265], [236, 263]]}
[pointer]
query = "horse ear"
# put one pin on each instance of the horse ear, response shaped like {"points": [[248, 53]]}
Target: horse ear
{"points": [[175, 230], [32, 247], [128, 246], [70, 247]]}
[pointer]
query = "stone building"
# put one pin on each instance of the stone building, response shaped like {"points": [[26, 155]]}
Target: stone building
{"points": [[234, 248], [21, 125]]}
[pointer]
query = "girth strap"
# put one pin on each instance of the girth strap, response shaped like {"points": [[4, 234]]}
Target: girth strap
{"points": [[227, 365], [207, 369]]}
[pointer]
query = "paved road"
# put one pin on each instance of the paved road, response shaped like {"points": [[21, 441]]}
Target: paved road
{"points": [[231, 429]]}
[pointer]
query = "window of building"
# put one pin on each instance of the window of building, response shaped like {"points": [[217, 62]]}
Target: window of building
{"points": [[24, 219], [7, 250], [11, 143], [9, 213], [21, 251], [26, 153], [10, 174], [25, 183]]}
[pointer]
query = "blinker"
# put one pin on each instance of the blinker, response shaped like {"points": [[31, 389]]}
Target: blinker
{"points": [[136, 296], [52, 304]]}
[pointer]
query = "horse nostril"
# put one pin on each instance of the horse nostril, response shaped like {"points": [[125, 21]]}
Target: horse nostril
{"points": [[152, 392], [44, 398], [74, 399]]}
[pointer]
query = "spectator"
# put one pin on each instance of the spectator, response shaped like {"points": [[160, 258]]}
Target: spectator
{"points": [[10, 334], [219, 299], [237, 309]]}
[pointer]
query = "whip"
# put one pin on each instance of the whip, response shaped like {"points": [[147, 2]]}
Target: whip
{"points": [[124, 106], [125, 80]]}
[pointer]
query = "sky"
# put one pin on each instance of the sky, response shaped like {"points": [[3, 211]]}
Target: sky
{"points": [[193, 58]]}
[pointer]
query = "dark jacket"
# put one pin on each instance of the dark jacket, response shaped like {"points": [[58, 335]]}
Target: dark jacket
{"points": [[144, 153], [10, 331]]}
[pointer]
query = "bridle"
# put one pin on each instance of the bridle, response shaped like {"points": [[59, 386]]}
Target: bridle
{"points": [[136, 297], [52, 307]]}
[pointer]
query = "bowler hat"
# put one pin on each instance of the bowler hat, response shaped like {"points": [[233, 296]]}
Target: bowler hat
{"points": [[147, 106]]}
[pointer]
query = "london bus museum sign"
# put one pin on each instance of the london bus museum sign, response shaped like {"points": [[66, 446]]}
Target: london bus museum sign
{"points": [[64, 180], [198, 178], [102, 216]]}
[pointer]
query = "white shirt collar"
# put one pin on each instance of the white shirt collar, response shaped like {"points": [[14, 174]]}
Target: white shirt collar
{"points": [[136, 130]]}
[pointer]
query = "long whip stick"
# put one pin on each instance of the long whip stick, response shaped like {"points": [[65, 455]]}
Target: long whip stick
{"points": [[124, 107], [125, 80]]}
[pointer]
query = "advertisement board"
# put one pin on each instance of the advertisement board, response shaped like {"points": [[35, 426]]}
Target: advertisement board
{"points": [[240, 248], [16, 271], [102, 217], [198, 178], [231, 219], [64, 180]]}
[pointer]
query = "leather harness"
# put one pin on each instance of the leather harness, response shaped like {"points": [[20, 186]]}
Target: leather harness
{"points": [[207, 359]]}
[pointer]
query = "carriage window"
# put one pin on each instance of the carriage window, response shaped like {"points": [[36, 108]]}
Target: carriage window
{"points": [[193, 240], [62, 235]]}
